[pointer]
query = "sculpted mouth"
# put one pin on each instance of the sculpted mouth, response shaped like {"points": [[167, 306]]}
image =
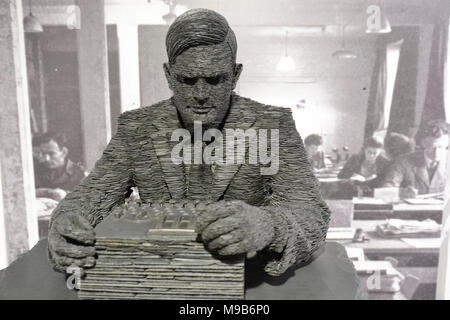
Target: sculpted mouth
{"points": [[201, 110]]}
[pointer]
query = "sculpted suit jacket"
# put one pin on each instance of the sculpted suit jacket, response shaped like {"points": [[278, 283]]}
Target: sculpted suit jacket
{"points": [[140, 155], [411, 170]]}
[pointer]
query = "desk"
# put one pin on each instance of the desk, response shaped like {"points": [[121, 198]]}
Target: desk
{"points": [[373, 211], [378, 248], [330, 275], [420, 262]]}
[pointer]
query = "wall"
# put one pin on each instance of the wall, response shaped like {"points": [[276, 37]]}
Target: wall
{"points": [[61, 88], [335, 91]]}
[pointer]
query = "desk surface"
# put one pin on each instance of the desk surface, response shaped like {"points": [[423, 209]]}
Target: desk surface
{"points": [[376, 211], [330, 275], [378, 244]]}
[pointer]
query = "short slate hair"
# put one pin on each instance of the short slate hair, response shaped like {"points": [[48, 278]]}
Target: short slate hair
{"points": [[198, 27], [433, 128], [313, 139], [40, 138]]}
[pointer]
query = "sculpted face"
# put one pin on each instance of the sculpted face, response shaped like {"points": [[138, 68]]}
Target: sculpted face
{"points": [[202, 80]]}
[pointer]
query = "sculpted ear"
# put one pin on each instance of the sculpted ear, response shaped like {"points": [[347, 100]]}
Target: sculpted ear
{"points": [[168, 74], [237, 73]]}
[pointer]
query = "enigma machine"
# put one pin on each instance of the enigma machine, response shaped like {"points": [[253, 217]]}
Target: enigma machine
{"points": [[152, 252]]}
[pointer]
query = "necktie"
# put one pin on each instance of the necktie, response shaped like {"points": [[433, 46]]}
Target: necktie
{"points": [[432, 169]]}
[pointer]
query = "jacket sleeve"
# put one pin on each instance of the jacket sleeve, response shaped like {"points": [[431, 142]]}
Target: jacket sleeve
{"points": [[351, 166], [108, 183], [300, 215], [396, 175]]}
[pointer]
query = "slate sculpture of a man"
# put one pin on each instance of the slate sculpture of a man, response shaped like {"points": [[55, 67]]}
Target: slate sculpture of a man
{"points": [[280, 216]]}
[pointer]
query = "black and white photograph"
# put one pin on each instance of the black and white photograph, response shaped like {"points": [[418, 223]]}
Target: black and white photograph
{"points": [[197, 150]]}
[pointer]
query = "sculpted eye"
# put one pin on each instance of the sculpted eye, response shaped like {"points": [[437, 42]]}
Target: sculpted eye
{"points": [[215, 80], [187, 80]]}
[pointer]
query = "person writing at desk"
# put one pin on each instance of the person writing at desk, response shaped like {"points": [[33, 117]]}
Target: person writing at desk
{"points": [[316, 157], [54, 173], [423, 171], [369, 166]]}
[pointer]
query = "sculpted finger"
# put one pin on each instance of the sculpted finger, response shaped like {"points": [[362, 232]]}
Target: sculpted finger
{"points": [[82, 221], [63, 248], [233, 249], [210, 215], [63, 262], [220, 227], [88, 262], [227, 239], [72, 230]]}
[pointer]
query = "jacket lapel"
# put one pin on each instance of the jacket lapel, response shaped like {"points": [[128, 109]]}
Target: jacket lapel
{"points": [[165, 121], [421, 171], [437, 184], [240, 117]]}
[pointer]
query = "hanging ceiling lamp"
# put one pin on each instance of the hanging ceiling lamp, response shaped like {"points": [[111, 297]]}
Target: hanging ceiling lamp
{"points": [[343, 53], [286, 62], [31, 23], [380, 23], [170, 17]]}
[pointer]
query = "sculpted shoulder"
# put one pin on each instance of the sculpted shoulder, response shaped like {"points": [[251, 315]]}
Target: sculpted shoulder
{"points": [[263, 110], [146, 113]]}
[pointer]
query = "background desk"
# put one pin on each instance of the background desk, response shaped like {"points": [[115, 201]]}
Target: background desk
{"points": [[397, 211], [420, 262]]}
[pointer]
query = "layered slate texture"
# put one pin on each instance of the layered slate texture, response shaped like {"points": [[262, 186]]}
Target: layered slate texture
{"points": [[152, 252]]}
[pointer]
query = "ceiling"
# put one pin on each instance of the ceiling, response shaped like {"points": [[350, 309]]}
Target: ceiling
{"points": [[273, 18]]}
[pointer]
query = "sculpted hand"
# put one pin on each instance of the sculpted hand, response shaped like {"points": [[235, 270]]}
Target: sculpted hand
{"points": [[71, 242], [234, 227]]}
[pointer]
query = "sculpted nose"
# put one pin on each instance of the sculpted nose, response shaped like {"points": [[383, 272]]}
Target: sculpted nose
{"points": [[201, 100], [201, 92]]}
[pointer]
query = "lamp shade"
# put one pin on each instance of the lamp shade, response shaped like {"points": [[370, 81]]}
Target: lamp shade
{"points": [[31, 24], [343, 54], [169, 18], [285, 64]]}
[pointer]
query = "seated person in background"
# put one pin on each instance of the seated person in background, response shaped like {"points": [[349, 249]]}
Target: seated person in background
{"points": [[368, 166], [396, 144], [54, 173], [423, 171], [315, 156]]}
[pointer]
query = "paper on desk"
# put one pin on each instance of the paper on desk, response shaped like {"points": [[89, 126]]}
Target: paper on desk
{"points": [[368, 200], [327, 179], [340, 233], [423, 243], [424, 201], [355, 253]]}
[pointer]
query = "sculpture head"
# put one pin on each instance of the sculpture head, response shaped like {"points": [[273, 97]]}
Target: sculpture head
{"points": [[202, 70]]}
